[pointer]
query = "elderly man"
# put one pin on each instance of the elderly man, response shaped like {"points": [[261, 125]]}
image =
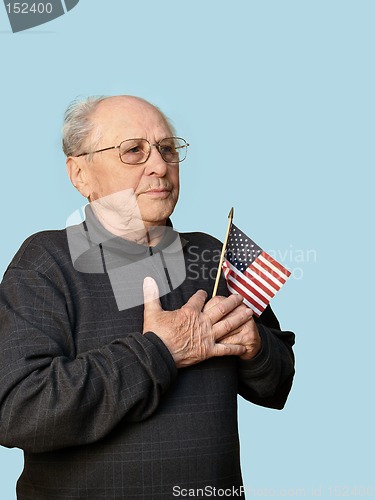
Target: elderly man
{"points": [[119, 376]]}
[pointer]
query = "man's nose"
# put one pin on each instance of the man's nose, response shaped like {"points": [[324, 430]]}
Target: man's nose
{"points": [[155, 165]]}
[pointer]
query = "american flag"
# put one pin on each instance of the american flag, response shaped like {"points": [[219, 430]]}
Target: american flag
{"points": [[251, 272]]}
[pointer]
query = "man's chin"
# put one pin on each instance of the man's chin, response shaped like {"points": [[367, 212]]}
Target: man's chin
{"points": [[156, 211], [156, 217]]}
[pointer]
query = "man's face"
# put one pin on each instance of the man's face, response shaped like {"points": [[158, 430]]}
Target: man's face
{"points": [[155, 183]]}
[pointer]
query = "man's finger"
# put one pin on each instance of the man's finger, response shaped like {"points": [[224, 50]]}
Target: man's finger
{"points": [[223, 307], [197, 301], [229, 350], [231, 322], [151, 295], [212, 302]]}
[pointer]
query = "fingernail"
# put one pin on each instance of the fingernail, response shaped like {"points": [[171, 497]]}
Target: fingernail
{"points": [[148, 281]]}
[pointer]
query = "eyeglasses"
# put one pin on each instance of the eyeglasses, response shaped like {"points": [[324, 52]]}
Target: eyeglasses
{"points": [[137, 151]]}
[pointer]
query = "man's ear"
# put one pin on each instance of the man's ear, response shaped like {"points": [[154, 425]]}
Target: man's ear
{"points": [[77, 175]]}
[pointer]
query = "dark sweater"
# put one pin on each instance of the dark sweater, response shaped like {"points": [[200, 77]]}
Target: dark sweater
{"points": [[100, 409]]}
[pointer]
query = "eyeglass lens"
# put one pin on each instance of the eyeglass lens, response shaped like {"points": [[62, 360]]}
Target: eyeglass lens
{"points": [[134, 151]]}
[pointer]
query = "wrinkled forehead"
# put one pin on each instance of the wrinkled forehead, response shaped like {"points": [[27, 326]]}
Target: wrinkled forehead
{"points": [[124, 115]]}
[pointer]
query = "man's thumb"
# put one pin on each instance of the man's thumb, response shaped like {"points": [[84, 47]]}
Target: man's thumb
{"points": [[151, 295]]}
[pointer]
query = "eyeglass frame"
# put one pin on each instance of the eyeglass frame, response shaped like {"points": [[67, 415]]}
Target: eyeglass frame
{"points": [[157, 145]]}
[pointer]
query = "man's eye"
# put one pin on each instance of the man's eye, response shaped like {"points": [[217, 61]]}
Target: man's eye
{"points": [[135, 149], [168, 149]]}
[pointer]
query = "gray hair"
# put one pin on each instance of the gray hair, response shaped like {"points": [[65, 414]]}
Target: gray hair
{"points": [[79, 127]]}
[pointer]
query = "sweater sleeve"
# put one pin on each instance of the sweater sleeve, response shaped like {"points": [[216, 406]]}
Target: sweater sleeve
{"points": [[266, 380], [50, 397]]}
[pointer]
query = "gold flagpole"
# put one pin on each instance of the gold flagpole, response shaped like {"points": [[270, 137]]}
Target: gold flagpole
{"points": [[230, 218]]}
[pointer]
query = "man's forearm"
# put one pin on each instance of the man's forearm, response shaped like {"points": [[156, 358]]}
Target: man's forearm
{"points": [[266, 379]]}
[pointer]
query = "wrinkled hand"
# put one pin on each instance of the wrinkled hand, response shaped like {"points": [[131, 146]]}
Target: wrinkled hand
{"points": [[191, 333], [246, 334]]}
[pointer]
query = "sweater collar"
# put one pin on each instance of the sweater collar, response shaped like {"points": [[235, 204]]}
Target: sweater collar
{"points": [[99, 235]]}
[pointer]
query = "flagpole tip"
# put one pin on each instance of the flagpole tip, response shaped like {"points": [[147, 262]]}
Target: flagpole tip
{"points": [[231, 213]]}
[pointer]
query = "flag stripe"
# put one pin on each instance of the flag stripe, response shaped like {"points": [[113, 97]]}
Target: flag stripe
{"points": [[267, 294], [271, 269], [257, 311], [281, 269], [233, 281], [248, 290], [266, 275], [254, 290], [246, 295], [262, 283], [273, 272], [264, 292]]}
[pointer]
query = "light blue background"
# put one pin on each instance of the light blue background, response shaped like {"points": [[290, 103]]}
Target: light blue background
{"points": [[276, 98]]}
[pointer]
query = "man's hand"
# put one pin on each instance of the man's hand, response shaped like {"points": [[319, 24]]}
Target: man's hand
{"points": [[191, 333], [246, 334]]}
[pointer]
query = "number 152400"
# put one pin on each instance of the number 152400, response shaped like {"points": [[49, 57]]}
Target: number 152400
{"points": [[25, 8]]}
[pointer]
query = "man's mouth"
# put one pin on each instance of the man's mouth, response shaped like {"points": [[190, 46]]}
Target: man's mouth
{"points": [[161, 192]]}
